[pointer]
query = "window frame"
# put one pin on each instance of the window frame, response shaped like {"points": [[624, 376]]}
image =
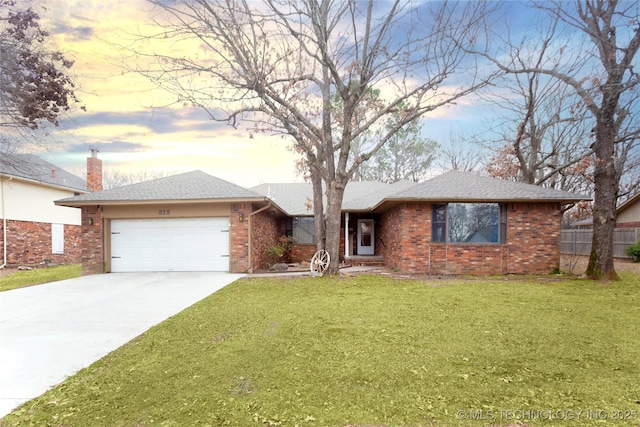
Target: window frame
{"points": [[440, 229], [295, 225], [439, 224]]}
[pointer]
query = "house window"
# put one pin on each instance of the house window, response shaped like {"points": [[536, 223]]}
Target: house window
{"points": [[303, 229], [57, 238], [469, 223], [439, 221]]}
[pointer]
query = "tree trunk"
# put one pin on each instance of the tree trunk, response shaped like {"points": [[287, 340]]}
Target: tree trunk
{"points": [[604, 207], [335, 193], [318, 209]]}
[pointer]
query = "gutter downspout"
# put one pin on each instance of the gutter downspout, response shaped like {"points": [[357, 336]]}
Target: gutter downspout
{"points": [[346, 235], [249, 266], [4, 226]]}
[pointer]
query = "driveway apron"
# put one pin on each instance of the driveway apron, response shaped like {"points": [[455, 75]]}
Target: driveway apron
{"points": [[49, 332]]}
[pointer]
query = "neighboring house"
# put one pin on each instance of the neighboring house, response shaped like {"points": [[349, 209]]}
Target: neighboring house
{"points": [[33, 229], [577, 239], [456, 223], [628, 213]]}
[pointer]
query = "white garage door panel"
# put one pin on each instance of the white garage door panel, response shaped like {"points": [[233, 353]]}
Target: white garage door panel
{"points": [[185, 244]]}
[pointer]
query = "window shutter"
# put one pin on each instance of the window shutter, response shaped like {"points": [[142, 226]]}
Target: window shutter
{"points": [[57, 238]]}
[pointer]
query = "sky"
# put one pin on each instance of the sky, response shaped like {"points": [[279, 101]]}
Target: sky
{"points": [[127, 121]]}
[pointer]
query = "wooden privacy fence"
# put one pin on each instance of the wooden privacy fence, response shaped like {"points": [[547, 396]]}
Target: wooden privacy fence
{"points": [[578, 242]]}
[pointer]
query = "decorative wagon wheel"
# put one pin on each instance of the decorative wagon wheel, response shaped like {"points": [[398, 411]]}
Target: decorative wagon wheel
{"points": [[320, 262]]}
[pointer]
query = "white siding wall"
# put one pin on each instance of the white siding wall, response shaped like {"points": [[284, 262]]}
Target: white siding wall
{"points": [[631, 214], [25, 201]]}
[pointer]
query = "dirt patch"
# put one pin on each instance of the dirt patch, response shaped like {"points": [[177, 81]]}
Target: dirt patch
{"points": [[7, 271], [578, 265]]}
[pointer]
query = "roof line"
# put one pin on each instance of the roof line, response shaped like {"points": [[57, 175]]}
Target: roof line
{"points": [[456, 200], [156, 202], [45, 183], [627, 203]]}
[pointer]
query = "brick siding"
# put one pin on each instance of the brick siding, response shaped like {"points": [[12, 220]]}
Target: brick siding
{"points": [[403, 238], [533, 238], [628, 225], [302, 252], [239, 238], [29, 244], [532, 243], [92, 240], [265, 232], [94, 173]]}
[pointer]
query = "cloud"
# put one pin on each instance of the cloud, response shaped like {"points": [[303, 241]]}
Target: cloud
{"points": [[150, 120], [75, 33], [113, 147]]}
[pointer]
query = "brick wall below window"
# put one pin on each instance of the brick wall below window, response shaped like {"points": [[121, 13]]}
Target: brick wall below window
{"points": [[302, 253]]}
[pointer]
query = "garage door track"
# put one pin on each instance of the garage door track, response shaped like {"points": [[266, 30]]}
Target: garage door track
{"points": [[49, 332]]}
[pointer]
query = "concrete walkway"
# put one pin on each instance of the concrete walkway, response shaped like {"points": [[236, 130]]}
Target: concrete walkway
{"points": [[49, 332]]}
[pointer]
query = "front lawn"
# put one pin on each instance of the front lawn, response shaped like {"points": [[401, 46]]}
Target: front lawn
{"points": [[374, 351], [20, 279]]}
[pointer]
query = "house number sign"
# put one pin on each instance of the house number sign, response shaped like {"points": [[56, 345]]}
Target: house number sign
{"points": [[164, 211]]}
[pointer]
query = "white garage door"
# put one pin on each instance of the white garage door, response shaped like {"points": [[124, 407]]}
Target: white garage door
{"points": [[184, 244]]}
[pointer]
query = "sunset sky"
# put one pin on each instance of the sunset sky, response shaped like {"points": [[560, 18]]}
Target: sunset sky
{"points": [[126, 117]]}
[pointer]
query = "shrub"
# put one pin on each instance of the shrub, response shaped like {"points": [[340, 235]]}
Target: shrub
{"points": [[279, 252], [634, 252]]}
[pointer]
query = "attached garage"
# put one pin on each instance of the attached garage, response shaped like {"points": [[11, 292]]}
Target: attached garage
{"points": [[187, 222], [176, 244]]}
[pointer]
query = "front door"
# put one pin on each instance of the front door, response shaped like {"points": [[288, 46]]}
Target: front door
{"points": [[365, 237]]}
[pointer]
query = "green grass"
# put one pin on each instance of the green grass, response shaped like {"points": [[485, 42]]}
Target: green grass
{"points": [[38, 276], [370, 350]]}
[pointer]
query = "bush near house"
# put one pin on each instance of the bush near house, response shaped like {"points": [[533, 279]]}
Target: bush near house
{"points": [[634, 252], [279, 252]]}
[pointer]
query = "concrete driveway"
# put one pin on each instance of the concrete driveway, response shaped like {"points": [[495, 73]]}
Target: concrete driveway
{"points": [[49, 332]]}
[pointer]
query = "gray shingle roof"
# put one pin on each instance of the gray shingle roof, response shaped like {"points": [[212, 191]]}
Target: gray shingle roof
{"points": [[294, 198], [195, 185], [32, 167], [372, 198], [362, 190], [457, 186], [451, 186]]}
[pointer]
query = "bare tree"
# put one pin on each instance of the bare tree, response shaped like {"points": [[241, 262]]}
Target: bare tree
{"points": [[112, 178], [545, 137], [461, 153], [278, 65], [35, 85], [599, 69]]}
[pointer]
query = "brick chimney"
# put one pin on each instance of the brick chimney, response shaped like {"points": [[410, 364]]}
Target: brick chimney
{"points": [[94, 172]]}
